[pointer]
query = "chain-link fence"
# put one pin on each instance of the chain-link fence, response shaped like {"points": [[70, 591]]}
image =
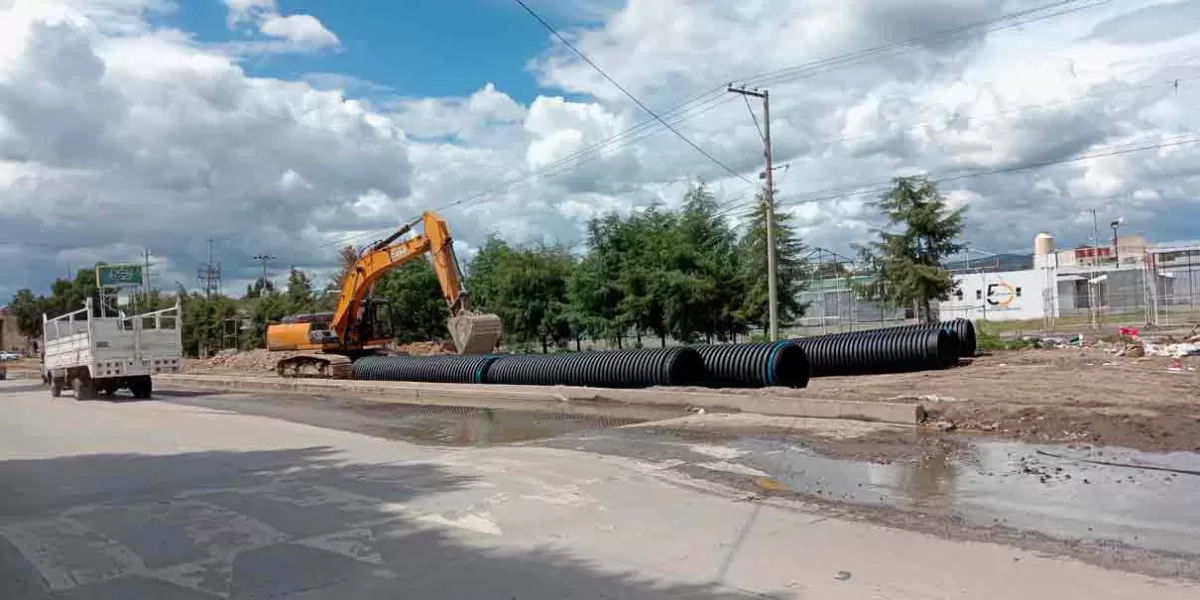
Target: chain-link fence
{"points": [[1175, 299]]}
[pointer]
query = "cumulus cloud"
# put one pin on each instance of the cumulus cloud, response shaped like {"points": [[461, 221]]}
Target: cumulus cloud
{"points": [[117, 133], [292, 33], [111, 144]]}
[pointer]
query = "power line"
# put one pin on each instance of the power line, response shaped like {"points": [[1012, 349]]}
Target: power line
{"points": [[714, 98], [753, 117], [1013, 169], [833, 193], [1005, 21], [808, 69], [629, 95]]}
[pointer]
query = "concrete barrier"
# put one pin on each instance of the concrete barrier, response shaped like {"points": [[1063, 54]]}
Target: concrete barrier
{"points": [[533, 397]]}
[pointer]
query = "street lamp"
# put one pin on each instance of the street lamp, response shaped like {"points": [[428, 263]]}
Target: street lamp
{"points": [[1115, 224]]}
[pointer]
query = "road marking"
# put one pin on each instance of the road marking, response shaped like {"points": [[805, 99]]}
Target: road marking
{"points": [[68, 554], [482, 523]]}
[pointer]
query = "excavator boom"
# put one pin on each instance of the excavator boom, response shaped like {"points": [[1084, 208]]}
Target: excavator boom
{"points": [[345, 335]]}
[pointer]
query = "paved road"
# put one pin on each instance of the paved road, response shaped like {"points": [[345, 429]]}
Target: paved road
{"points": [[163, 500]]}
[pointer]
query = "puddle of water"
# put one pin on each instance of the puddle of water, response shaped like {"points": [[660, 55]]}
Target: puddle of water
{"points": [[471, 426], [425, 424], [1012, 484]]}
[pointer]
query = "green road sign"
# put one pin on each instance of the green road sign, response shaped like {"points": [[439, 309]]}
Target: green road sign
{"points": [[118, 275]]}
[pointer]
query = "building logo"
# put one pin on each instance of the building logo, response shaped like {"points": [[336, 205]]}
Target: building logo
{"points": [[1000, 294]]}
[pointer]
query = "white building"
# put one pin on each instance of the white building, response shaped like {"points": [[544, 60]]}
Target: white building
{"points": [[1115, 278], [1001, 296]]}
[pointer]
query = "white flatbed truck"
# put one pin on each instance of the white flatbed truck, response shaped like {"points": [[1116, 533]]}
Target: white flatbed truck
{"points": [[93, 355]]}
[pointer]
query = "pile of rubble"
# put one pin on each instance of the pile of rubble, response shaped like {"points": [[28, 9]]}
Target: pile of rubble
{"points": [[251, 362], [261, 362], [1134, 346], [425, 348]]}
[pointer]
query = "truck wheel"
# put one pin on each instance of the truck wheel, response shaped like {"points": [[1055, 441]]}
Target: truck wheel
{"points": [[141, 386], [56, 386], [84, 388]]}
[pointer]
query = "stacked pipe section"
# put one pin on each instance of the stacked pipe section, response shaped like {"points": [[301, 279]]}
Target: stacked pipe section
{"points": [[894, 350], [637, 368], [781, 364], [964, 328], [446, 368]]}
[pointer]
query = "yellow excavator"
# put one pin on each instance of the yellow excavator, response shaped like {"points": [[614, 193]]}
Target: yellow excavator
{"points": [[361, 325]]}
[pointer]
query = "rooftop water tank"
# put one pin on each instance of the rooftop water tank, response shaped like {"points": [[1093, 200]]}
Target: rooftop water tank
{"points": [[1043, 244]]}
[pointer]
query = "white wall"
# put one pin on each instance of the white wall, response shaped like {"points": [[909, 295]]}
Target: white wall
{"points": [[1004, 296]]}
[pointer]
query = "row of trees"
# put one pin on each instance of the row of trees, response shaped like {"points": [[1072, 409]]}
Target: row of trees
{"points": [[210, 321], [686, 274]]}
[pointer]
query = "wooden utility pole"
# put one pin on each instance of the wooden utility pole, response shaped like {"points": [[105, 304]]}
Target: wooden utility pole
{"points": [[769, 200], [146, 275]]}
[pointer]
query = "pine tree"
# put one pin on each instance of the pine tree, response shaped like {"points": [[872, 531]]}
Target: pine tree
{"points": [[908, 259], [791, 268], [708, 282]]}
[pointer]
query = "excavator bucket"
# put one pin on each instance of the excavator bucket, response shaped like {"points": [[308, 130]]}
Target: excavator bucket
{"points": [[475, 333]]}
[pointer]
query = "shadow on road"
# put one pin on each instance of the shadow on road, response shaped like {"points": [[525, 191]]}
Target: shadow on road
{"points": [[296, 523]]}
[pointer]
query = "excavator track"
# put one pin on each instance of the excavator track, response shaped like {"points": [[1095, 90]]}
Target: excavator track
{"points": [[315, 366]]}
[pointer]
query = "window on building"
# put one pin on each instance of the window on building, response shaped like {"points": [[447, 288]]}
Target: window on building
{"points": [[958, 294], [1018, 291], [979, 294]]}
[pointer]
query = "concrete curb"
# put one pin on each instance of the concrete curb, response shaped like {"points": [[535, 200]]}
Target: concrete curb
{"points": [[759, 402]]}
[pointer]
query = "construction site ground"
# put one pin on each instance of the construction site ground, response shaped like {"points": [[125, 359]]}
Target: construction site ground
{"points": [[1084, 395], [1072, 395]]}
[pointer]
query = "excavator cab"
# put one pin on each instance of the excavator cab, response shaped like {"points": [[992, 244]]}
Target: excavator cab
{"points": [[376, 321]]}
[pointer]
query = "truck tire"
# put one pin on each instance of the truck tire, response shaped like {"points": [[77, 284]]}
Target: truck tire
{"points": [[141, 386], [84, 388], [56, 387]]}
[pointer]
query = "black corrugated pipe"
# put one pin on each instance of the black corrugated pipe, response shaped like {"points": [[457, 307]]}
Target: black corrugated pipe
{"points": [[781, 364], [893, 350], [642, 367], [964, 328], [445, 368], [966, 335]]}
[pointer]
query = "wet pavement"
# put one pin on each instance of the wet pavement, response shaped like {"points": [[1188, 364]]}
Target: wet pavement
{"points": [[422, 424], [145, 500], [1135, 512]]}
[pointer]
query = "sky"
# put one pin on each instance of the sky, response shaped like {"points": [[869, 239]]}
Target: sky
{"points": [[290, 128]]}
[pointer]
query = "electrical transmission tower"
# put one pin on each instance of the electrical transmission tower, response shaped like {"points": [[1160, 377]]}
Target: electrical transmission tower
{"points": [[209, 274], [264, 258]]}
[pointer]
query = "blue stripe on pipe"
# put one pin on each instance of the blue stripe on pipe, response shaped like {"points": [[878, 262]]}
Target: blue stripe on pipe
{"points": [[771, 362], [479, 369]]}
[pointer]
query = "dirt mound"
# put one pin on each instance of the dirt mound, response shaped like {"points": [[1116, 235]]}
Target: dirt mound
{"points": [[262, 362], [426, 348], [251, 362]]}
